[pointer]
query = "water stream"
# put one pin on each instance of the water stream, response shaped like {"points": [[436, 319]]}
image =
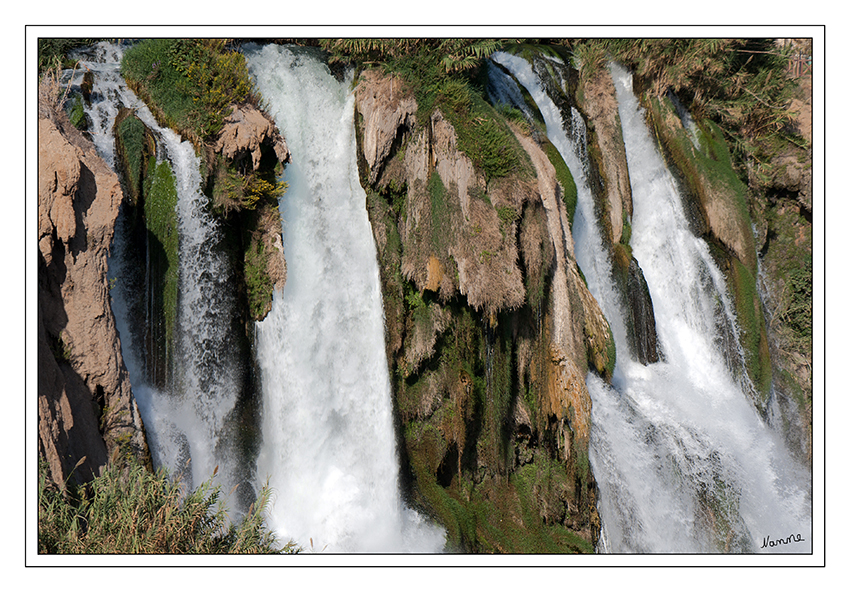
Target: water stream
{"points": [[329, 446], [185, 418], [683, 461]]}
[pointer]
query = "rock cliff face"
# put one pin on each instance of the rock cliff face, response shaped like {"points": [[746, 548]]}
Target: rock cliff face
{"points": [[86, 406], [597, 100], [490, 330]]}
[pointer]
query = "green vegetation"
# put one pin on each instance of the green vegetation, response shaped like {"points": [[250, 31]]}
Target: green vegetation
{"points": [[190, 81], [257, 281], [53, 53], [440, 55], [235, 189], [131, 510], [443, 75], [740, 84], [76, 113], [160, 209], [797, 312], [565, 178], [440, 215], [752, 328], [134, 146]]}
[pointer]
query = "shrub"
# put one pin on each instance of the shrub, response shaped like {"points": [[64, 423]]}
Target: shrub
{"points": [[131, 510]]}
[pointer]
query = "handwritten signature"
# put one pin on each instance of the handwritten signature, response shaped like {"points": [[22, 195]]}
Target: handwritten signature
{"points": [[791, 538]]}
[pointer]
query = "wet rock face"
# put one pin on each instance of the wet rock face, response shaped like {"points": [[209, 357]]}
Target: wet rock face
{"points": [[86, 408], [643, 337]]}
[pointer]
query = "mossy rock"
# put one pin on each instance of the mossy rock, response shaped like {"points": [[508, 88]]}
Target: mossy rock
{"points": [[160, 214], [709, 177], [753, 331], [134, 147]]}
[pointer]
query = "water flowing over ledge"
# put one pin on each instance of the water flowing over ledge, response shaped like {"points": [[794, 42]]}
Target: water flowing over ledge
{"points": [[184, 421], [329, 446], [683, 461]]}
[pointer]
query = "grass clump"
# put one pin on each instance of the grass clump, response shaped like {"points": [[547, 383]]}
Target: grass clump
{"points": [[131, 510], [191, 81]]}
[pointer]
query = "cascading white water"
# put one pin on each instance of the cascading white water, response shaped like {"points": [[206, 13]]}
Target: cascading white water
{"points": [[682, 459], [184, 426], [329, 448]]}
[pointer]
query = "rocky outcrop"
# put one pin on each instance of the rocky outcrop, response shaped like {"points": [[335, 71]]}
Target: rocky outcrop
{"points": [[86, 407], [249, 192], [598, 101], [579, 327], [244, 133], [389, 113], [490, 328], [453, 228]]}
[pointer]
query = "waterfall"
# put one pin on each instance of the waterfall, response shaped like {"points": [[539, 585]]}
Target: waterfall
{"points": [[329, 448], [683, 461], [185, 420]]}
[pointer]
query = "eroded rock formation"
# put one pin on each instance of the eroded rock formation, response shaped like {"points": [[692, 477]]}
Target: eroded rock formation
{"points": [[490, 327], [598, 101], [244, 133], [86, 406]]}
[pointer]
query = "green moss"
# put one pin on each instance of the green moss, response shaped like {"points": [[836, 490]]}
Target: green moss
{"points": [[160, 210], [611, 354], [717, 162], [565, 178], [134, 145], [627, 229], [76, 113], [752, 329], [440, 215]]}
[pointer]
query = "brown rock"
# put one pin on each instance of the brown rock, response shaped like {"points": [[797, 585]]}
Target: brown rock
{"points": [[86, 407], [455, 167], [567, 398], [245, 131], [388, 110], [599, 103]]}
